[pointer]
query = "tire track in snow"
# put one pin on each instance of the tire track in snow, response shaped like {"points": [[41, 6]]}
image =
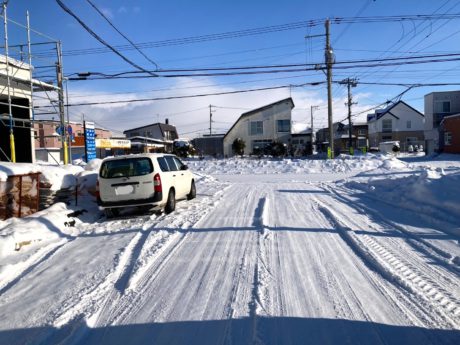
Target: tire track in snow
{"points": [[395, 269], [33, 262], [409, 270], [429, 249]]}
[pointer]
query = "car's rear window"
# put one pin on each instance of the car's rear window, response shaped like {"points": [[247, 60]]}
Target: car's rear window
{"points": [[126, 167]]}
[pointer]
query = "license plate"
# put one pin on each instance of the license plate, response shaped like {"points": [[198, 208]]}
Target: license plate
{"points": [[123, 190]]}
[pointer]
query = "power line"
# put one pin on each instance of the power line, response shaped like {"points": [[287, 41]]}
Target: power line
{"points": [[264, 30], [92, 33], [123, 35], [188, 96]]}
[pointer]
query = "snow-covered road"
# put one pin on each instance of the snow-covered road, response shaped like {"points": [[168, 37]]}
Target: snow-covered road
{"points": [[266, 259]]}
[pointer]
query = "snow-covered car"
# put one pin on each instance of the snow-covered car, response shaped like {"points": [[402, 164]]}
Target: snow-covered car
{"points": [[150, 180]]}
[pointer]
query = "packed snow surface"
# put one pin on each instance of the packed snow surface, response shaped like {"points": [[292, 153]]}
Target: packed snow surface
{"points": [[355, 250]]}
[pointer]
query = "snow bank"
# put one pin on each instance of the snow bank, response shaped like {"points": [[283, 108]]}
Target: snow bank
{"points": [[428, 190], [57, 177], [235, 166], [42, 226]]}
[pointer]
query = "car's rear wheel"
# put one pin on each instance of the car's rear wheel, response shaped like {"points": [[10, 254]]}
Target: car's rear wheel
{"points": [[171, 202], [192, 194], [111, 212]]}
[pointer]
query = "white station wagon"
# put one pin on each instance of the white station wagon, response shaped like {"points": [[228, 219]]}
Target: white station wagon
{"points": [[150, 180]]}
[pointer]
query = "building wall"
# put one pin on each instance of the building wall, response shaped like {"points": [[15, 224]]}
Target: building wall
{"points": [[212, 145], [405, 138], [48, 146], [452, 125], [432, 118], [269, 117], [400, 129]]}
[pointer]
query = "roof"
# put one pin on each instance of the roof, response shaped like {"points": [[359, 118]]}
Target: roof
{"points": [[251, 112], [450, 117], [382, 112], [163, 127]]}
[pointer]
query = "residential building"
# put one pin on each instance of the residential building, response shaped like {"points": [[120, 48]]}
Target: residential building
{"points": [[301, 143], [209, 145], [450, 127], [153, 137], [359, 137], [437, 106], [398, 122], [47, 141], [260, 127]]}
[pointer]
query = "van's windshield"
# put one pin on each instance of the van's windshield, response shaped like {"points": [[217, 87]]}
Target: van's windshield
{"points": [[126, 167]]}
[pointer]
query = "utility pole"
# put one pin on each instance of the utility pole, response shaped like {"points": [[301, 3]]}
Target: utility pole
{"points": [[313, 145], [350, 83], [329, 56], [210, 119], [60, 78]]}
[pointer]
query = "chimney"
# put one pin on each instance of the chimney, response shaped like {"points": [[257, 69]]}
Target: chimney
{"points": [[167, 121]]}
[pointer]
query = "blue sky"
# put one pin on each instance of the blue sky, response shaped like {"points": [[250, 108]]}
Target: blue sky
{"points": [[151, 21]]}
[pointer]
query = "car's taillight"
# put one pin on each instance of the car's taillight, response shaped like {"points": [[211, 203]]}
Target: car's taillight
{"points": [[157, 183], [97, 189]]}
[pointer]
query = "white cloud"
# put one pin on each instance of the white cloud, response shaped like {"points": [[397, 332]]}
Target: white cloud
{"points": [[191, 115], [107, 12]]}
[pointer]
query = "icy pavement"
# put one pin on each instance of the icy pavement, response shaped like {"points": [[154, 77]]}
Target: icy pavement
{"points": [[294, 253]]}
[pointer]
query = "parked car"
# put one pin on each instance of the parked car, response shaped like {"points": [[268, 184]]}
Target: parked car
{"points": [[152, 180]]}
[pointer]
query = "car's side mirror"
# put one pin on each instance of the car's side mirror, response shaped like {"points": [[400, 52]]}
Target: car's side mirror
{"points": [[184, 167]]}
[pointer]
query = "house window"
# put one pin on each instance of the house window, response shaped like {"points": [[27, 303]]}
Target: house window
{"points": [[260, 144], [256, 128], [284, 126], [448, 138], [362, 142], [409, 124], [387, 126], [411, 140], [442, 107], [361, 132]]}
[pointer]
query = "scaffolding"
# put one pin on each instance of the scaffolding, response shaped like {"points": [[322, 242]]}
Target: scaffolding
{"points": [[21, 74]]}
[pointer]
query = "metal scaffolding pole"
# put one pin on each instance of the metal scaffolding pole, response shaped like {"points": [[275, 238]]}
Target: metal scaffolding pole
{"points": [[31, 103], [8, 82]]}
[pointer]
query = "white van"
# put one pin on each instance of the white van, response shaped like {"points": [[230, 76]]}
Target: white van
{"points": [[150, 180]]}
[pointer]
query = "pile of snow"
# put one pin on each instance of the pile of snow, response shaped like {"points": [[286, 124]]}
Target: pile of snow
{"points": [[42, 226], [56, 177], [426, 190], [245, 166]]}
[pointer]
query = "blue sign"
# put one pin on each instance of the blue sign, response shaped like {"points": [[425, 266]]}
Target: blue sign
{"points": [[90, 141]]}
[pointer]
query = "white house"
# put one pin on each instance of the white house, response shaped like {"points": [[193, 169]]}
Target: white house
{"points": [[437, 106], [259, 127], [398, 122]]}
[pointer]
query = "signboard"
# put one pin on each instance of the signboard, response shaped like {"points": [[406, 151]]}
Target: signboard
{"points": [[90, 141], [113, 144]]}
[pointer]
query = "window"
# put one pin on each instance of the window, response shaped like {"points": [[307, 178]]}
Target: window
{"points": [[126, 167], [442, 107], [171, 163], [362, 142], [409, 124], [284, 126], [387, 126], [448, 138], [260, 144], [256, 128], [411, 140], [162, 163], [361, 132], [179, 164]]}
